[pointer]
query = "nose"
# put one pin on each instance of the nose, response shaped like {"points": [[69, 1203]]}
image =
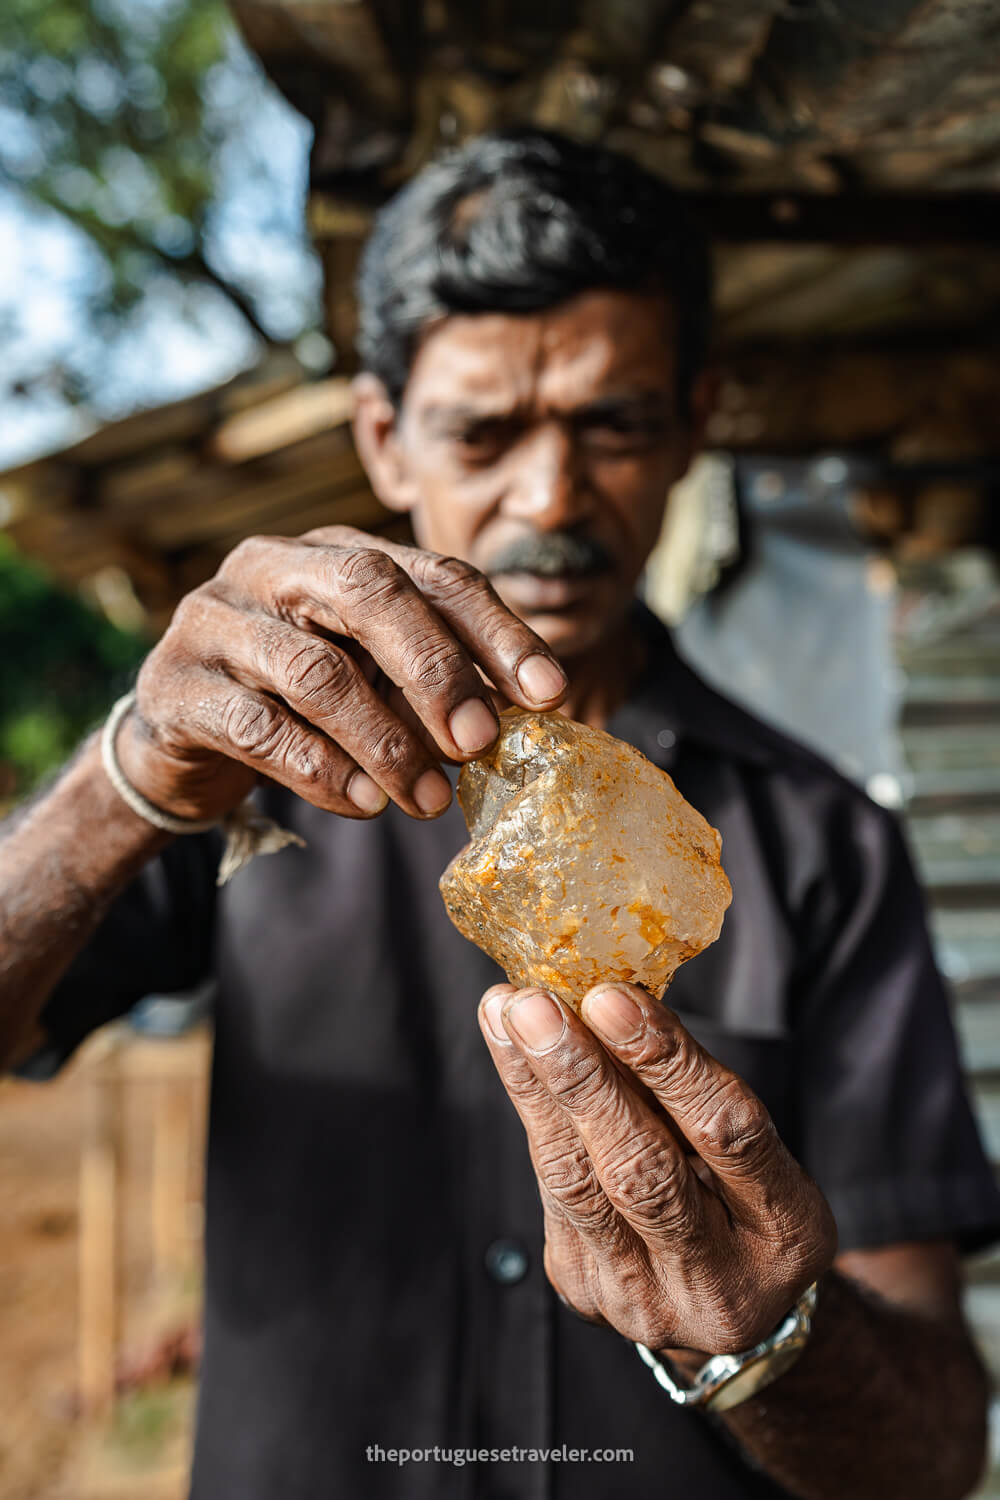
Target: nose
{"points": [[550, 488]]}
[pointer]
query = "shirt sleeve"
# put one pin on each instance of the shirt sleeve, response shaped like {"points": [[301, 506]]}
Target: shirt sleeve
{"points": [[886, 1127], [157, 938]]}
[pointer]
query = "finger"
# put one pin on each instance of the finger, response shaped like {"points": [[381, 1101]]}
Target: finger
{"points": [[358, 591], [720, 1115], [324, 686], [639, 1163], [252, 728], [396, 699], [566, 1176], [516, 660]]}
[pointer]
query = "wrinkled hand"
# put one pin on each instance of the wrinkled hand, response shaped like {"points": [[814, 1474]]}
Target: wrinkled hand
{"points": [[342, 665], [673, 1212]]}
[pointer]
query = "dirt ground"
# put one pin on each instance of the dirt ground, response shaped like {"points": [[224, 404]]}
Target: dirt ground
{"points": [[46, 1447]]}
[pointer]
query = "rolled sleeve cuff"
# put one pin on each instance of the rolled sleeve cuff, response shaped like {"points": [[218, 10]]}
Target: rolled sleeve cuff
{"points": [[964, 1208]]}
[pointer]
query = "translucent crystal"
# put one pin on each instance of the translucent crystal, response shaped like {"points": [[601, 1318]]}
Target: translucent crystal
{"points": [[585, 863]]}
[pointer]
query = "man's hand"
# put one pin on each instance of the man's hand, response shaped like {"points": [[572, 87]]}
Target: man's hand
{"points": [[272, 669], [672, 1210]]}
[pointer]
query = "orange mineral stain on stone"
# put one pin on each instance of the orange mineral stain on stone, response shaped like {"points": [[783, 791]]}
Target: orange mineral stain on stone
{"points": [[652, 924], [543, 886]]}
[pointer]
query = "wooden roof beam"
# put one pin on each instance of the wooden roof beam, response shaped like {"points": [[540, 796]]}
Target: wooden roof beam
{"points": [[851, 219]]}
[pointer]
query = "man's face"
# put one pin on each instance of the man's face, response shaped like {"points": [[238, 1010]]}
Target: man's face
{"points": [[541, 449]]}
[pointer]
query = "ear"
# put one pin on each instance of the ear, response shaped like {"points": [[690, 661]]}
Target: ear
{"points": [[376, 436], [704, 394]]}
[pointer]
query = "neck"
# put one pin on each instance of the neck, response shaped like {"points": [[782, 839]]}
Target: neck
{"points": [[601, 679]]}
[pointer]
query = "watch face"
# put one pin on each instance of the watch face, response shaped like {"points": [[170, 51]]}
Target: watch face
{"points": [[755, 1375]]}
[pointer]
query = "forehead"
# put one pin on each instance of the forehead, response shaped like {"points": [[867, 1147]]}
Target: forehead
{"points": [[597, 343]]}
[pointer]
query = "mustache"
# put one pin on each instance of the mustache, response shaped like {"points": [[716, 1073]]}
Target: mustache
{"points": [[552, 554]]}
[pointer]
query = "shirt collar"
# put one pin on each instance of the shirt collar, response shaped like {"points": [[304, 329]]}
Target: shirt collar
{"points": [[671, 705]]}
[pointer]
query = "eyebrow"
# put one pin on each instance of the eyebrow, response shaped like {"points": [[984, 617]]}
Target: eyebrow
{"points": [[640, 402], [633, 403], [468, 416]]}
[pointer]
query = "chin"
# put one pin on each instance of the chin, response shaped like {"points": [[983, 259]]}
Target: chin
{"points": [[572, 616], [568, 632]]}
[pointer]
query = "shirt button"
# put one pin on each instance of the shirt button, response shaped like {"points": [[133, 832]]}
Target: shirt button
{"points": [[506, 1262]]}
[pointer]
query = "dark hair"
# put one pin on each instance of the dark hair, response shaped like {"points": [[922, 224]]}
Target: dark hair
{"points": [[519, 221]]}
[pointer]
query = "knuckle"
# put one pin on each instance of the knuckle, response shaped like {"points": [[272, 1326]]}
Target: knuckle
{"points": [[254, 727], [450, 578], [433, 661], [369, 574], [197, 630], [581, 1086], [521, 1084], [317, 674], [305, 760], [245, 552], [191, 610], [392, 751], [334, 536], [740, 1126], [672, 1061], [570, 1178], [650, 1189]]}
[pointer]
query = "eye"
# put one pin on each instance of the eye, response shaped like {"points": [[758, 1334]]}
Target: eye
{"points": [[482, 440], [623, 433]]}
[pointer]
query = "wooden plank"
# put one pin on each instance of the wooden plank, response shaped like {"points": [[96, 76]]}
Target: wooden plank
{"points": [[142, 1059], [146, 430], [299, 414], [172, 1146], [967, 947], [978, 1026], [851, 219], [137, 482], [189, 418], [958, 789], [354, 508], [986, 1101], [243, 506], [204, 479], [846, 70], [794, 398], [47, 484], [99, 1247]]}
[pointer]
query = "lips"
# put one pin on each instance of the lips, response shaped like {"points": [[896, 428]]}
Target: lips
{"points": [[531, 591]]}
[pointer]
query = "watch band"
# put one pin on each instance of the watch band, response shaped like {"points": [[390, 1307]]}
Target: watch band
{"points": [[726, 1380]]}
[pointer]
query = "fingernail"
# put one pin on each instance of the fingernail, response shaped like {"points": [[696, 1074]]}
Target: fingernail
{"points": [[614, 1014], [473, 726], [365, 793], [432, 792], [540, 678], [493, 1011], [537, 1020]]}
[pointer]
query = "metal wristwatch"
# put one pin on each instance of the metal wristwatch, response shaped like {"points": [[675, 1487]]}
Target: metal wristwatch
{"points": [[727, 1379]]}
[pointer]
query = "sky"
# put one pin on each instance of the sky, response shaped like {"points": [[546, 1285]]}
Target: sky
{"points": [[181, 339]]}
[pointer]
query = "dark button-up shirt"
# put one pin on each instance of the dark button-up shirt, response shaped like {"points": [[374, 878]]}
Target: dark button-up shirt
{"points": [[373, 1229]]}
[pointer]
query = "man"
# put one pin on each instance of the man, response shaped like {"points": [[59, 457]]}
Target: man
{"points": [[379, 1275]]}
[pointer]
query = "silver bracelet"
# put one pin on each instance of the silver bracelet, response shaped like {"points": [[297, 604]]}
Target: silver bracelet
{"points": [[247, 833]]}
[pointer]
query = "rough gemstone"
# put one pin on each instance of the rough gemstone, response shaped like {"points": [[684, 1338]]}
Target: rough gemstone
{"points": [[585, 863]]}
